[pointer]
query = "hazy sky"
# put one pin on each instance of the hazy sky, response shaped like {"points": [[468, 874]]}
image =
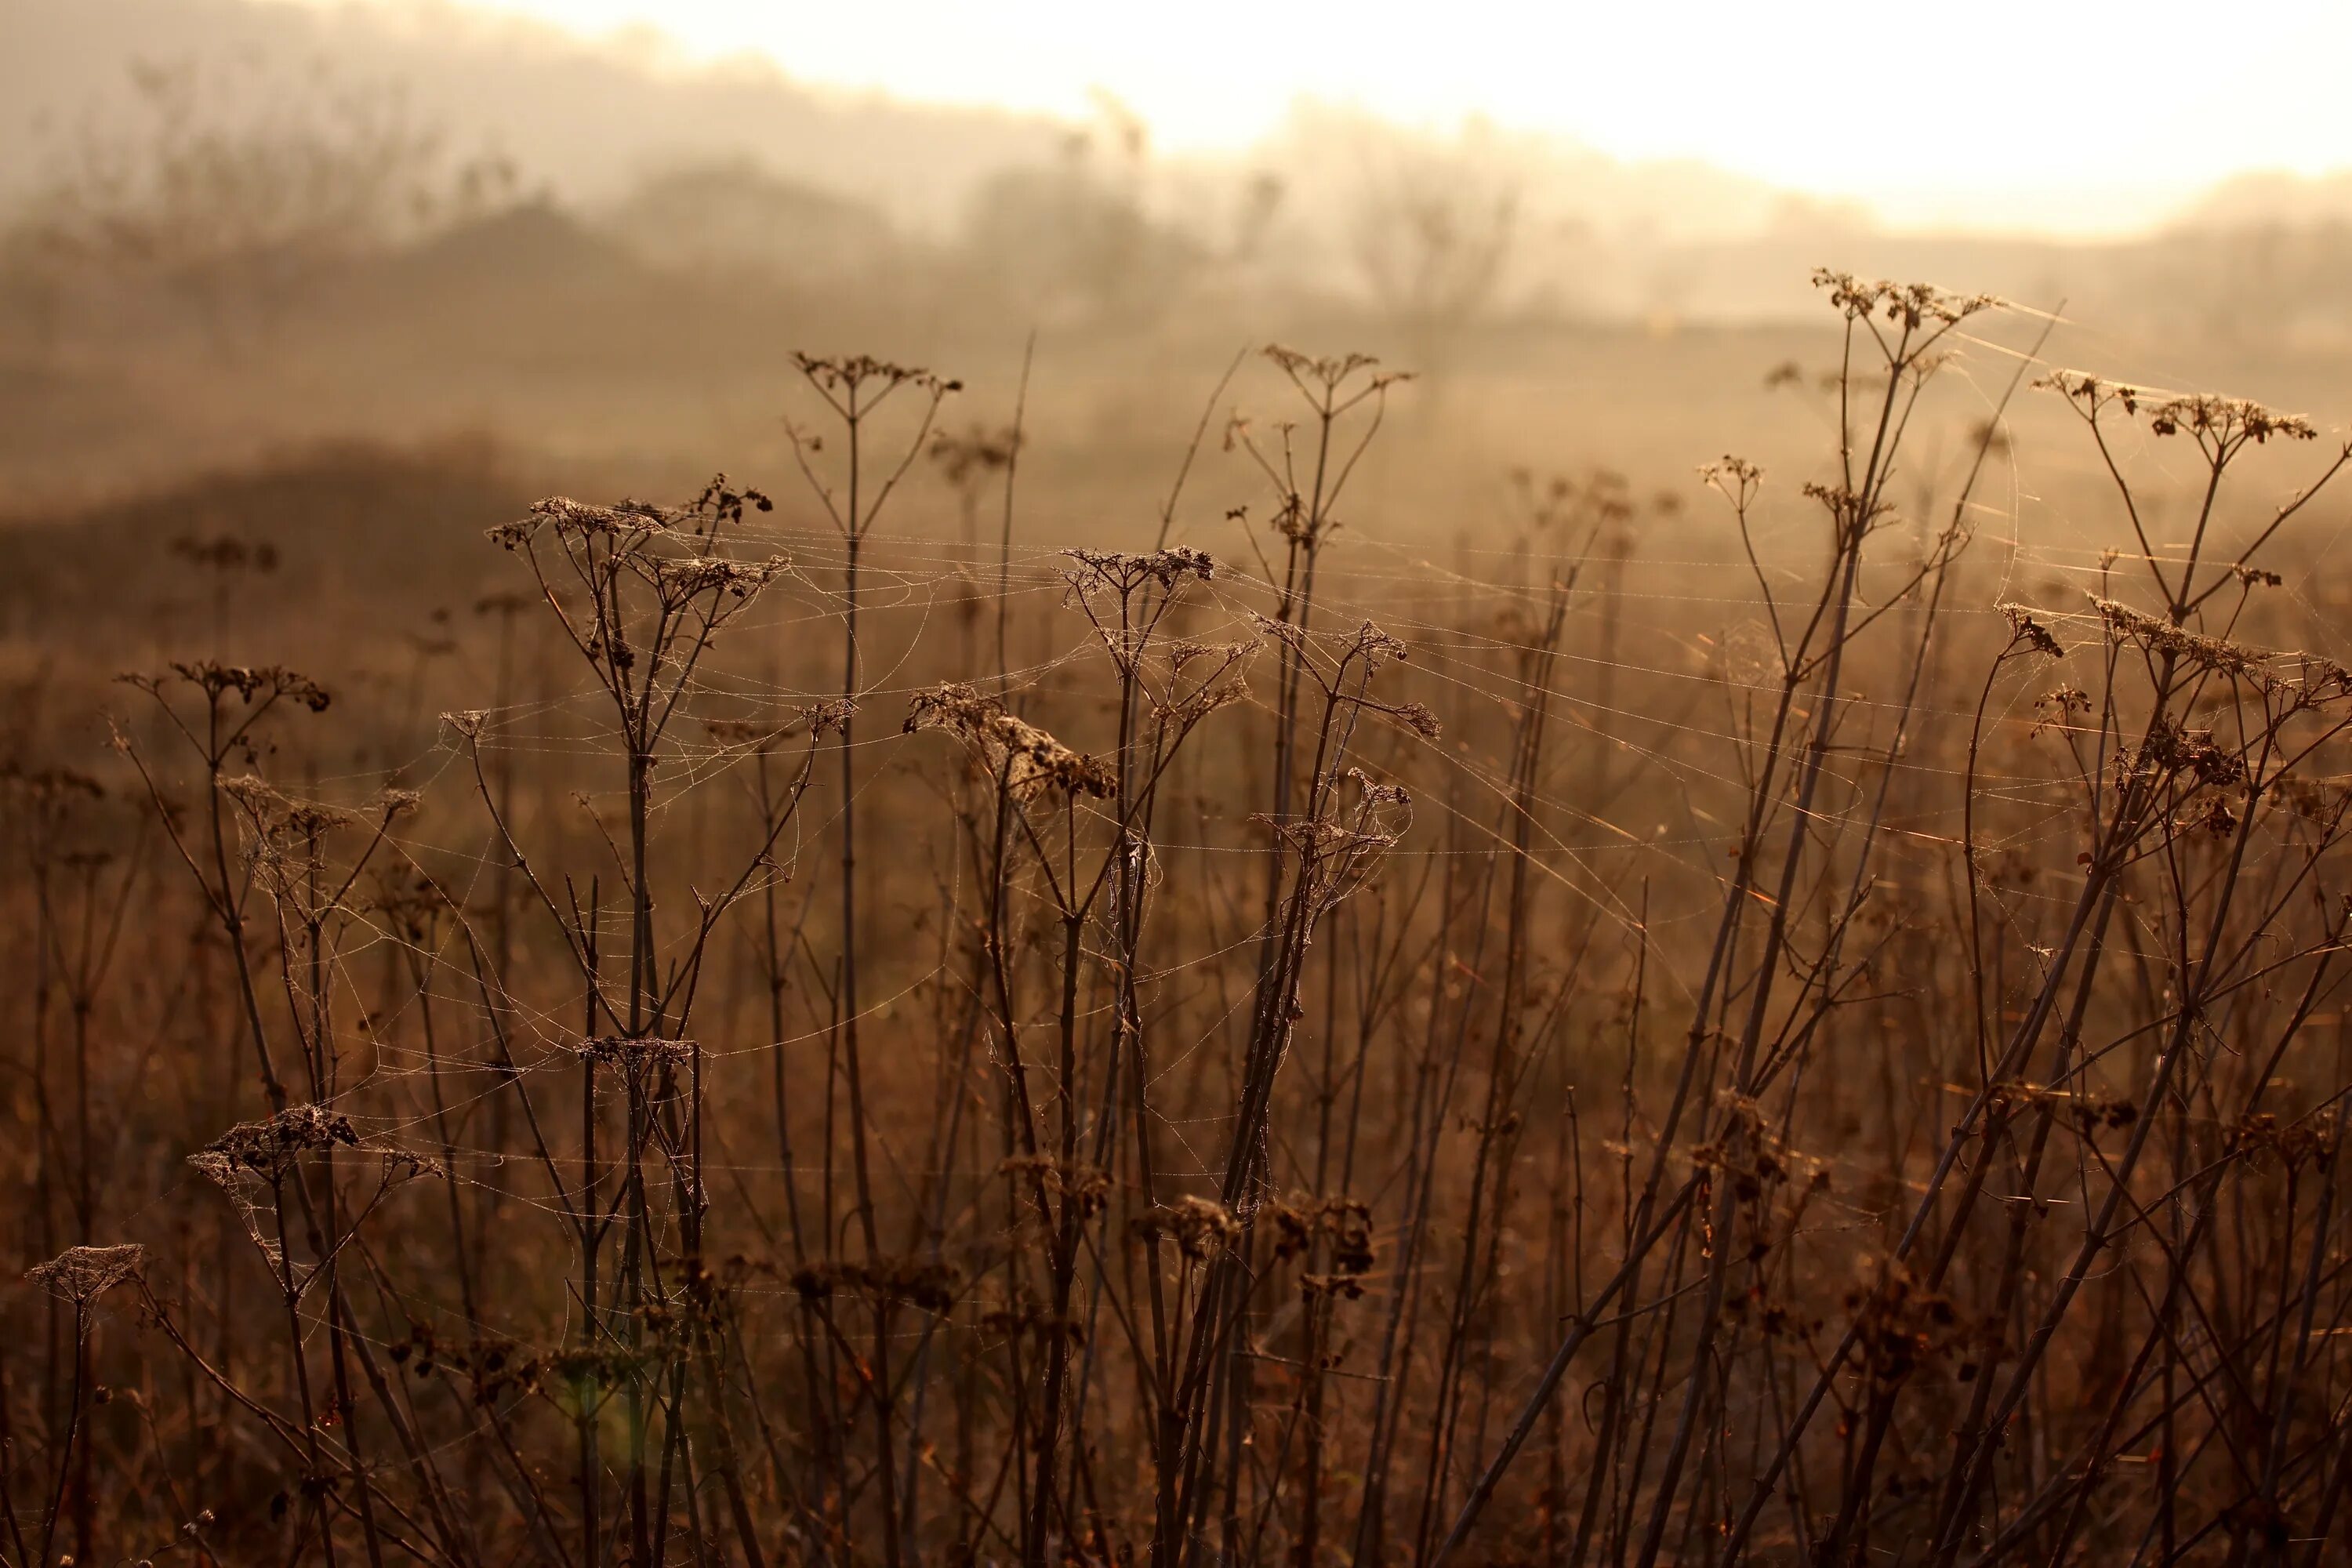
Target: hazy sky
{"points": [[2083, 114]]}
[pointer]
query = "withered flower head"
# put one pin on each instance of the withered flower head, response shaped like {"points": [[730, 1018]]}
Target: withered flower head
{"points": [[1908, 305], [82, 1274], [1023, 758]]}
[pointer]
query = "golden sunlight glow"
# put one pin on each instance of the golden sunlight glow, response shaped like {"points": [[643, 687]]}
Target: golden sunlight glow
{"points": [[2069, 114]]}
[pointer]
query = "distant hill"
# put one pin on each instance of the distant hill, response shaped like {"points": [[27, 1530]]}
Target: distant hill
{"points": [[659, 209], [587, 122]]}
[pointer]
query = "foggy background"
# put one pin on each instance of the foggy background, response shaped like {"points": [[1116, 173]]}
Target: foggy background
{"points": [[236, 235]]}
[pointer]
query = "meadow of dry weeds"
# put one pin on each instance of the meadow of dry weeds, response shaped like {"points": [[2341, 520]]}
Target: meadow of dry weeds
{"points": [[832, 1023]]}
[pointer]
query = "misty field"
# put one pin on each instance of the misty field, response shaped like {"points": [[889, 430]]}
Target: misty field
{"points": [[829, 1018]]}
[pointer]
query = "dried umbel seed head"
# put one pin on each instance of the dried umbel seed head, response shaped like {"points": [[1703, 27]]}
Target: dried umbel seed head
{"points": [[680, 581], [1417, 718], [2031, 633], [1908, 305], [1847, 510], [855, 373], [2221, 422], [1377, 797], [270, 1146], [2295, 1142], [1328, 372], [721, 502], [1375, 647], [2227, 420], [2161, 637], [634, 1054], [278, 820], [1119, 573], [2059, 710], [1732, 473], [579, 520], [2173, 750], [1023, 758], [829, 715], [1182, 656], [1087, 1187], [1343, 1225], [251, 684], [82, 1274], [252, 793], [1193, 692], [1199, 1227]]}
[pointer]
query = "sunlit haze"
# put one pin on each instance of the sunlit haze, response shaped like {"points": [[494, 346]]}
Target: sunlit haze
{"points": [[2001, 114]]}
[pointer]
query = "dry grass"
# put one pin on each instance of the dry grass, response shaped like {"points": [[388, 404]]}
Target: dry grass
{"points": [[863, 1041]]}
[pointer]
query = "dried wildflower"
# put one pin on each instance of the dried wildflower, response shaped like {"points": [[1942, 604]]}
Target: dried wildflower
{"points": [[1022, 757], [721, 502], [1735, 475], [1199, 1227], [82, 1274], [634, 1054], [2172, 750], [1121, 573], [680, 570], [1328, 372], [852, 374], [1225, 683], [253, 685], [269, 1147], [2024, 628], [1417, 718], [680, 581], [1338, 851], [1848, 511], [283, 831], [2162, 638], [2221, 424], [1087, 1187], [578, 520], [1908, 305], [2213, 817], [1345, 1224], [2060, 708], [2295, 1143]]}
